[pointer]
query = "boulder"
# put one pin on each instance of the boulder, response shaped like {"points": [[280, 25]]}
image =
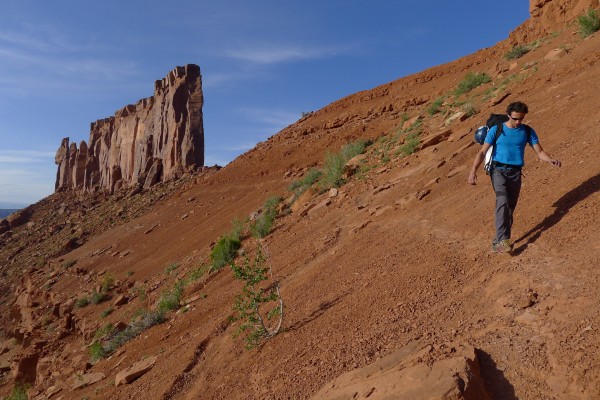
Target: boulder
{"points": [[404, 376], [135, 371], [82, 381]]}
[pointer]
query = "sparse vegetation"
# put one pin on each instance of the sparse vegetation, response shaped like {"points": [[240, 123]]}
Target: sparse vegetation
{"points": [[96, 352], [335, 162], [170, 299], [107, 283], [69, 263], [310, 177], [82, 302], [469, 109], [263, 224], [113, 340], [588, 23], [170, 268], [198, 273], [471, 81], [436, 106], [517, 52], [224, 251], [247, 304], [107, 312], [19, 392], [97, 297]]}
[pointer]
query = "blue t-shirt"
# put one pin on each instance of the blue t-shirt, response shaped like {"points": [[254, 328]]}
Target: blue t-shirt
{"points": [[510, 146]]}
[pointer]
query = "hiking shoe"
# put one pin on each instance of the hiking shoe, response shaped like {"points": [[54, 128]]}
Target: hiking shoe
{"points": [[503, 246]]}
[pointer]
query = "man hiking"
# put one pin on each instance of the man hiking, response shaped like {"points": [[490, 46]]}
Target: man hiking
{"points": [[507, 161]]}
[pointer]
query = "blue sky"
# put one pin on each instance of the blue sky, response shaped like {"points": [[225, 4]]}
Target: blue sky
{"points": [[65, 64]]}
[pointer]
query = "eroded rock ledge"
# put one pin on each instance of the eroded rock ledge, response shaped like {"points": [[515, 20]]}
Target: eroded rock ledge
{"points": [[157, 139]]}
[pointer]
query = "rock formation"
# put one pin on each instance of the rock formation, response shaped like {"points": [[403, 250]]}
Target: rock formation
{"points": [[155, 140], [548, 16]]}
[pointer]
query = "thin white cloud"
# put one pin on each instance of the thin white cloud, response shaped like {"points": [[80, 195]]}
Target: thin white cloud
{"points": [[271, 54], [211, 159], [24, 156], [12, 189], [271, 119], [239, 147]]}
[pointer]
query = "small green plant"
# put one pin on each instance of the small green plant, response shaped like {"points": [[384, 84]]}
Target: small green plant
{"points": [[103, 331], [262, 225], [140, 291], [310, 178], [198, 273], [333, 167], [113, 340], [170, 299], [107, 283], [470, 109], [517, 52], [410, 144], [238, 228], [97, 297], [19, 392], [254, 295], [69, 263], [588, 23], [471, 81], [224, 251], [81, 302], [172, 267], [97, 352], [436, 106], [107, 312]]}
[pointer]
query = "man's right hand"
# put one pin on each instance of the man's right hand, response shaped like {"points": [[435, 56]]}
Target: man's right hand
{"points": [[472, 178]]}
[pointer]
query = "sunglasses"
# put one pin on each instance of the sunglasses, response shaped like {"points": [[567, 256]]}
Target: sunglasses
{"points": [[516, 119]]}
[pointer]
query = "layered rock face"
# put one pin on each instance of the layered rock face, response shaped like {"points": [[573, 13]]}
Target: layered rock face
{"points": [[155, 140], [548, 16]]}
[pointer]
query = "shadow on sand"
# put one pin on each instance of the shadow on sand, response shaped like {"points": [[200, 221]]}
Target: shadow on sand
{"points": [[563, 205], [498, 387]]}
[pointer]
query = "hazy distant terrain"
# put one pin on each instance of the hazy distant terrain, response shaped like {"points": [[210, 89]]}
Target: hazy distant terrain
{"points": [[5, 212]]}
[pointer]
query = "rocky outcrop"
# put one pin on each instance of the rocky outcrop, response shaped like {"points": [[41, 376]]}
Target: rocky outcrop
{"points": [[155, 140], [548, 16]]}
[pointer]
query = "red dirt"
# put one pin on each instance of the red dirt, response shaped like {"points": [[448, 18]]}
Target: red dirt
{"points": [[417, 270]]}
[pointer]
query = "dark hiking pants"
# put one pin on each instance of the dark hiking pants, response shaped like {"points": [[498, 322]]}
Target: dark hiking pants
{"points": [[506, 182]]}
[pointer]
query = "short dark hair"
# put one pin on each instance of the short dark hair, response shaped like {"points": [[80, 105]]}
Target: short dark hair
{"points": [[518, 107]]}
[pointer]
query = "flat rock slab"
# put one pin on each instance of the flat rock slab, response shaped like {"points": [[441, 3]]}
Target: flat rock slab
{"points": [[404, 376], [88, 379], [135, 371]]}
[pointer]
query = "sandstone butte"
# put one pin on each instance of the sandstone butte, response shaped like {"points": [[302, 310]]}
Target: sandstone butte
{"points": [[156, 140], [389, 287]]}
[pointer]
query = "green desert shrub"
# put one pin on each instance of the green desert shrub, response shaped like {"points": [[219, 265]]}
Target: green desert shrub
{"points": [[471, 81], [113, 339], [256, 294], [82, 302], [19, 392], [517, 52], [262, 225], [224, 251], [170, 299], [333, 167], [436, 106], [97, 297], [309, 179], [588, 23]]}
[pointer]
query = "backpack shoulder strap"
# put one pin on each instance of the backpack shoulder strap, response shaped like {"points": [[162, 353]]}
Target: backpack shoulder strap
{"points": [[528, 130], [499, 128]]}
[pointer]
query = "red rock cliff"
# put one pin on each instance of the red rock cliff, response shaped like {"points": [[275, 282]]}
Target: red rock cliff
{"points": [[157, 139], [548, 16]]}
